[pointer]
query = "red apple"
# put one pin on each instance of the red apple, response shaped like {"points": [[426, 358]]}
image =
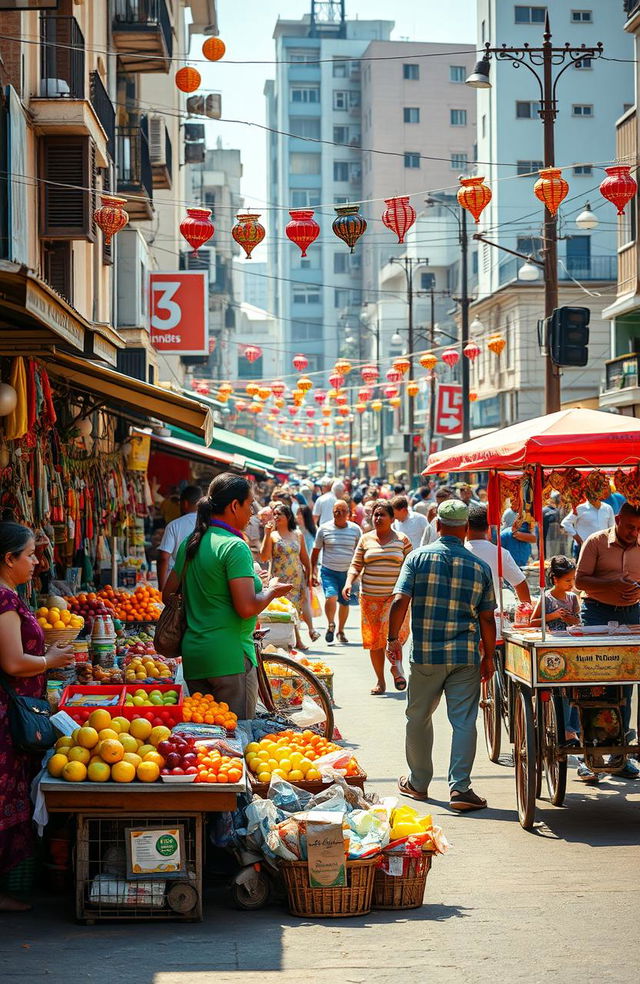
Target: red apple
{"points": [[173, 760], [165, 748], [178, 771], [189, 759]]}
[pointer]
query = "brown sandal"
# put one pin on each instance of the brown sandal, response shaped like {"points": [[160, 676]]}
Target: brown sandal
{"points": [[467, 801], [407, 789]]}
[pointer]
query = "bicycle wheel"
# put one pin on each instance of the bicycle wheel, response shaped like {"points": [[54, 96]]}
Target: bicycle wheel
{"points": [[491, 705], [290, 683]]}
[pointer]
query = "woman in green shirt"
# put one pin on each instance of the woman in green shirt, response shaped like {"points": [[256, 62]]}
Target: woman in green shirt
{"points": [[223, 596]]}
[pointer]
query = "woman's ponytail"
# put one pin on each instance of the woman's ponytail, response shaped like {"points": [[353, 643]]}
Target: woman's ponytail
{"points": [[224, 489], [203, 520]]}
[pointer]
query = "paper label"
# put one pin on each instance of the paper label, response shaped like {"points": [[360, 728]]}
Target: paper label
{"points": [[156, 851], [394, 867], [326, 857]]}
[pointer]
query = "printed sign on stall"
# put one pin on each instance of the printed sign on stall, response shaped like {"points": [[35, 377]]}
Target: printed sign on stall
{"points": [[178, 309], [448, 421]]}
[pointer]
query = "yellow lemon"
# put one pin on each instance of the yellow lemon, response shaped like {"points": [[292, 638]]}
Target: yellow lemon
{"points": [[120, 724], [56, 764], [305, 765], [65, 742], [128, 742], [159, 734], [88, 737], [123, 772], [140, 728], [264, 777], [285, 765], [74, 772], [133, 758], [296, 776], [312, 774], [148, 771], [253, 746], [111, 750], [107, 733], [98, 771], [99, 719], [143, 749], [79, 754]]}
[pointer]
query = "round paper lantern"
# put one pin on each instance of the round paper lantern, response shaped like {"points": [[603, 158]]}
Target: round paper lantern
{"points": [[302, 229], [188, 79], [226, 387], [252, 353], [496, 343], [222, 396], [395, 401], [474, 196], [473, 396], [471, 350], [305, 384], [255, 408], [551, 188], [331, 394], [336, 380], [326, 411], [264, 393], [292, 411], [297, 396], [369, 373], [241, 405], [248, 232], [111, 216], [428, 360], [278, 387], [401, 364], [450, 356], [376, 405], [342, 399], [344, 411], [320, 396], [310, 412], [619, 187], [300, 362], [252, 388], [197, 228], [413, 388], [8, 399], [365, 394], [393, 375], [348, 224], [202, 388], [399, 216], [214, 49], [360, 407], [325, 423], [390, 391], [343, 367], [279, 402]]}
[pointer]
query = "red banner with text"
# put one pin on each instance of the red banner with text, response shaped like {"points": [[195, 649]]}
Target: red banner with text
{"points": [[178, 309]]}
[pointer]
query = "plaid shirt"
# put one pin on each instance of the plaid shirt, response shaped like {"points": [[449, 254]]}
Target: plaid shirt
{"points": [[448, 587]]}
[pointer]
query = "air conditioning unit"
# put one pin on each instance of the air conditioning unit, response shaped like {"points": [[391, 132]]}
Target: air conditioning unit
{"points": [[210, 107], [157, 142], [194, 132]]}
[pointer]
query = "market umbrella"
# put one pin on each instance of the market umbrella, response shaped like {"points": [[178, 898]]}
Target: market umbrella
{"points": [[573, 437]]}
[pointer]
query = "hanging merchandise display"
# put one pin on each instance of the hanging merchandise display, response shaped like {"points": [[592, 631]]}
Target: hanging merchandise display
{"points": [[302, 229], [248, 232], [197, 228], [619, 187], [551, 188], [111, 217], [399, 216], [474, 196], [214, 49], [252, 353], [450, 356], [428, 360], [8, 399], [496, 343], [471, 351], [300, 362], [348, 224], [188, 79]]}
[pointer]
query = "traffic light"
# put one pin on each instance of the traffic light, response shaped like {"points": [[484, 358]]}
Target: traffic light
{"points": [[568, 336]]}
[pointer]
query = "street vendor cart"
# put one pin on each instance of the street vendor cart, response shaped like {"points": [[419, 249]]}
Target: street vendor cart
{"points": [[538, 669]]}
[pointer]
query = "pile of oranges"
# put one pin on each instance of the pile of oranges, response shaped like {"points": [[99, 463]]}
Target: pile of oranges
{"points": [[204, 709], [291, 755], [214, 767], [141, 606]]}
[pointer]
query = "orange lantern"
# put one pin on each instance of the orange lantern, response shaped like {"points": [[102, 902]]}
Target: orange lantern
{"points": [[360, 407], [343, 367], [325, 423], [188, 79], [326, 411], [551, 188], [331, 394], [298, 397], [226, 388], [279, 402], [222, 396], [255, 408], [376, 405], [342, 399], [474, 196], [473, 396], [428, 360], [395, 401], [496, 343], [264, 392], [305, 384], [111, 216], [252, 389], [214, 49], [344, 411], [413, 388], [401, 365]]}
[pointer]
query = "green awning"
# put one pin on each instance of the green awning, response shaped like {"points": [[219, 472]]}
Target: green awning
{"points": [[230, 443]]}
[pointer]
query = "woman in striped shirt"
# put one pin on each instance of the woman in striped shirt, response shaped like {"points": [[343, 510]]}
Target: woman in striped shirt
{"points": [[378, 559]]}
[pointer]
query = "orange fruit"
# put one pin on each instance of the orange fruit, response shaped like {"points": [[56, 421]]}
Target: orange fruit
{"points": [[88, 737], [74, 772], [111, 751], [56, 764], [148, 771], [98, 771], [79, 754], [154, 757], [123, 772]]}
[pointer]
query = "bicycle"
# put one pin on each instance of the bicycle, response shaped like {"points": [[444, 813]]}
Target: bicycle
{"points": [[284, 686]]}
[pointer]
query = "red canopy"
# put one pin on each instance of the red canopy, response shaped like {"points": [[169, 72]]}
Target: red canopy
{"points": [[573, 437]]}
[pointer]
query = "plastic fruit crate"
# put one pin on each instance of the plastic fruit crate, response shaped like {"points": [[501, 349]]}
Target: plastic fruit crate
{"points": [[169, 714], [106, 692]]}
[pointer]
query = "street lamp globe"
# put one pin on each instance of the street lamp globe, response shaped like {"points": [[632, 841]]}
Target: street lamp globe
{"points": [[396, 338], [587, 219], [479, 78], [528, 270], [476, 326]]}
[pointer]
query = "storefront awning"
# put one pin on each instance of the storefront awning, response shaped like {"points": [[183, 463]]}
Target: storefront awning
{"points": [[190, 448], [122, 392], [232, 443]]}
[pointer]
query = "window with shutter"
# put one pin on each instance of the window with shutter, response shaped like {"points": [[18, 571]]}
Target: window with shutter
{"points": [[66, 188], [57, 262]]}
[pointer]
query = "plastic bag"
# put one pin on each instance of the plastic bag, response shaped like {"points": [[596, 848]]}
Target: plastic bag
{"points": [[316, 608], [290, 799], [310, 713]]}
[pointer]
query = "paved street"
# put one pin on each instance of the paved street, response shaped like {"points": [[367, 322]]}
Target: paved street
{"points": [[557, 904]]}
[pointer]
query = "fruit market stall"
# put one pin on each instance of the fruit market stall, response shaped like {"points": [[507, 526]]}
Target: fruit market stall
{"points": [[545, 670]]}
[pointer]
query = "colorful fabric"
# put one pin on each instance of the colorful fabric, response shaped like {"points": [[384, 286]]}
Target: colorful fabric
{"points": [[379, 563], [286, 566], [374, 612], [448, 587]]}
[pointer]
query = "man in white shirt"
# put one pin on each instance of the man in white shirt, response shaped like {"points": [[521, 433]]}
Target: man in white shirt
{"points": [[412, 524], [479, 545], [323, 506], [590, 517], [176, 531]]}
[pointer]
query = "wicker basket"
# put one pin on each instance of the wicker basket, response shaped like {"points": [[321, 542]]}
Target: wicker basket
{"points": [[312, 786], [66, 636], [405, 891], [329, 903]]}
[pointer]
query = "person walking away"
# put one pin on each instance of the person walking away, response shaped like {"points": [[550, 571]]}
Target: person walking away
{"points": [[480, 545], [430, 534], [450, 594], [323, 506], [378, 559], [337, 541], [518, 540], [608, 573], [176, 531], [422, 500], [412, 524], [283, 547], [304, 519], [223, 597], [590, 517]]}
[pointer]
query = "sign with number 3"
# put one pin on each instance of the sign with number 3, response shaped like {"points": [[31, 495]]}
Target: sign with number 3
{"points": [[179, 312]]}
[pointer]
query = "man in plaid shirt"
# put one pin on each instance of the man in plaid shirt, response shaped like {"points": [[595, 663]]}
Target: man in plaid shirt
{"points": [[452, 608]]}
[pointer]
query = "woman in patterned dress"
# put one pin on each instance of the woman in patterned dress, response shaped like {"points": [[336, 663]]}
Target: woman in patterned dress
{"points": [[23, 663], [378, 559], [284, 547]]}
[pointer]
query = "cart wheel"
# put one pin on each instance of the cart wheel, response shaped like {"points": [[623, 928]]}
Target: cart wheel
{"points": [[492, 715], [555, 768], [251, 895], [525, 757]]}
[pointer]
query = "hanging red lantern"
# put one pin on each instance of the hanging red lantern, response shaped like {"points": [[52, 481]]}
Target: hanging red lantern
{"points": [[428, 360], [310, 412], [393, 375], [360, 407], [348, 224], [241, 405], [395, 401], [551, 188], [450, 356], [376, 405], [401, 364], [188, 79], [320, 396], [369, 373], [278, 387], [300, 362], [197, 228], [399, 216], [496, 343], [390, 391], [248, 232], [305, 384], [302, 229], [413, 387], [252, 353], [473, 396], [619, 187], [471, 350], [336, 380], [341, 399], [111, 216], [214, 49], [343, 367], [292, 410], [202, 388], [365, 394], [474, 196]]}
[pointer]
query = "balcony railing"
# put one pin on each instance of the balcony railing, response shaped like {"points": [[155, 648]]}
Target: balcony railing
{"points": [[133, 169], [578, 268], [630, 7], [61, 58], [142, 35], [104, 110]]}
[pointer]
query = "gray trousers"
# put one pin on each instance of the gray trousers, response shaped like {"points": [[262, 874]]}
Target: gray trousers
{"points": [[238, 690]]}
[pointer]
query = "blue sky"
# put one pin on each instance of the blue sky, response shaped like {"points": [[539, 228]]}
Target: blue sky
{"points": [[246, 27]]}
